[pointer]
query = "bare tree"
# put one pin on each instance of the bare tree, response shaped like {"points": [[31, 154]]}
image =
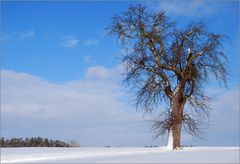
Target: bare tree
{"points": [[167, 64]]}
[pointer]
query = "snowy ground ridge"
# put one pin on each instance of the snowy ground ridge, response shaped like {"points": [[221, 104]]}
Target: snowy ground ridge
{"points": [[20, 155]]}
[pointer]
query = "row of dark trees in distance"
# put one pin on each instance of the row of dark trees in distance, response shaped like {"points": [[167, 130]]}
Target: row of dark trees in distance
{"points": [[36, 142]]}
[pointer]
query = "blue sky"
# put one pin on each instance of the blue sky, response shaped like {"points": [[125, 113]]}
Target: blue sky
{"points": [[60, 73]]}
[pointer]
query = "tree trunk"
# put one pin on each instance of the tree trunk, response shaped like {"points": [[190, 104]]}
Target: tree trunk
{"points": [[174, 139], [176, 132]]}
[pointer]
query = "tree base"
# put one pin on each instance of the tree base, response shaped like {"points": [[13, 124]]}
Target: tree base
{"points": [[178, 148]]}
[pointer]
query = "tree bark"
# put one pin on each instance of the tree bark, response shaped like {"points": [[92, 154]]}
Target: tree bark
{"points": [[178, 103], [176, 132]]}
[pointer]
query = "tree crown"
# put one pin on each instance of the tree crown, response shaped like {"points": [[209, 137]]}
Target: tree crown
{"points": [[159, 56]]}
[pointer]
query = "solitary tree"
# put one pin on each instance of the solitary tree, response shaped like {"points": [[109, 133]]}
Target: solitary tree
{"points": [[164, 63]]}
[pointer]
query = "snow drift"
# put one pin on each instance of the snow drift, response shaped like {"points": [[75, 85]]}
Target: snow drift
{"points": [[121, 154]]}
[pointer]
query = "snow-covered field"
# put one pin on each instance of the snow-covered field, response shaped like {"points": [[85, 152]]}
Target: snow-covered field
{"points": [[120, 155]]}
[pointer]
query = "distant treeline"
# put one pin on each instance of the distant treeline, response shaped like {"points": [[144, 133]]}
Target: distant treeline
{"points": [[36, 142]]}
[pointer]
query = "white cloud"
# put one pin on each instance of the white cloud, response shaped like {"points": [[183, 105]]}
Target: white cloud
{"points": [[94, 110], [26, 34], [98, 72], [226, 98], [18, 36], [49, 96], [90, 110], [222, 126], [90, 42], [188, 7], [88, 59], [69, 41], [226, 110], [101, 72]]}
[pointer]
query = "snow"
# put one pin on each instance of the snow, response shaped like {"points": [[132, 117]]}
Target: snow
{"points": [[121, 155], [170, 140]]}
